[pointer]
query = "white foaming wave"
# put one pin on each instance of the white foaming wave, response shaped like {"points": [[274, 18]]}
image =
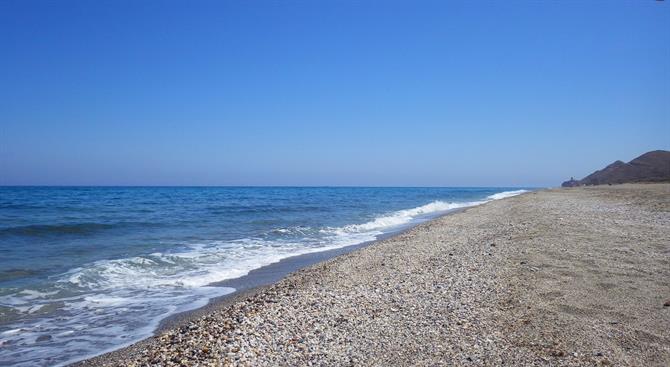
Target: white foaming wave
{"points": [[506, 194], [299, 230], [199, 266], [406, 216]]}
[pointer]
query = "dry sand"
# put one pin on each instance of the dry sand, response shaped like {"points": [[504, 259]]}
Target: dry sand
{"points": [[558, 277]]}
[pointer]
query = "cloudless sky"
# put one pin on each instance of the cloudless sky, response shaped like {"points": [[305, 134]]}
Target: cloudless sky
{"points": [[439, 93]]}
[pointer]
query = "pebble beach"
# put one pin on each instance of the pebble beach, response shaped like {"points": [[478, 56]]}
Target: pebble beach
{"points": [[561, 277]]}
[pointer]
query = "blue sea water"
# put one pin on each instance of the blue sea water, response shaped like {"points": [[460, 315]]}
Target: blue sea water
{"points": [[84, 270]]}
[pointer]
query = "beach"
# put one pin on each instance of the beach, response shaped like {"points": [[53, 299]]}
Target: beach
{"points": [[577, 276]]}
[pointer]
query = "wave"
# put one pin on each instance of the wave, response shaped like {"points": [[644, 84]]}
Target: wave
{"points": [[16, 273], [69, 229], [506, 194], [407, 216], [55, 229]]}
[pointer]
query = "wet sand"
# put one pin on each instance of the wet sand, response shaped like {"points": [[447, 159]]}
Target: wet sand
{"points": [[558, 277]]}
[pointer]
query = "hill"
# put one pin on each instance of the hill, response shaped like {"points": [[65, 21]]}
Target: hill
{"points": [[652, 166]]}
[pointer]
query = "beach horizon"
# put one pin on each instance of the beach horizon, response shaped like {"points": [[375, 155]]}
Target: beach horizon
{"points": [[334, 183]]}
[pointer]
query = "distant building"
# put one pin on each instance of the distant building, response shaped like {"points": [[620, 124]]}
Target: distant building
{"points": [[571, 183]]}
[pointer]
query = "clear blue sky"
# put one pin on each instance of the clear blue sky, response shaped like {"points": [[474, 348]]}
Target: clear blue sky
{"points": [[329, 92]]}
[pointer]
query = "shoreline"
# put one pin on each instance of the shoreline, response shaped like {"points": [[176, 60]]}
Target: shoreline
{"points": [[246, 286], [564, 277], [259, 279]]}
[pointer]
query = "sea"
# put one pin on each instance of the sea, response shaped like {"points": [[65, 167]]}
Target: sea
{"points": [[86, 270]]}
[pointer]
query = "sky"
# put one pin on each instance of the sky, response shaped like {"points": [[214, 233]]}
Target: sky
{"points": [[369, 93]]}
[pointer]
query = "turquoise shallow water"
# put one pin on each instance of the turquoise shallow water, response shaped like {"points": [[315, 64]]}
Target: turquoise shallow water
{"points": [[85, 270]]}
